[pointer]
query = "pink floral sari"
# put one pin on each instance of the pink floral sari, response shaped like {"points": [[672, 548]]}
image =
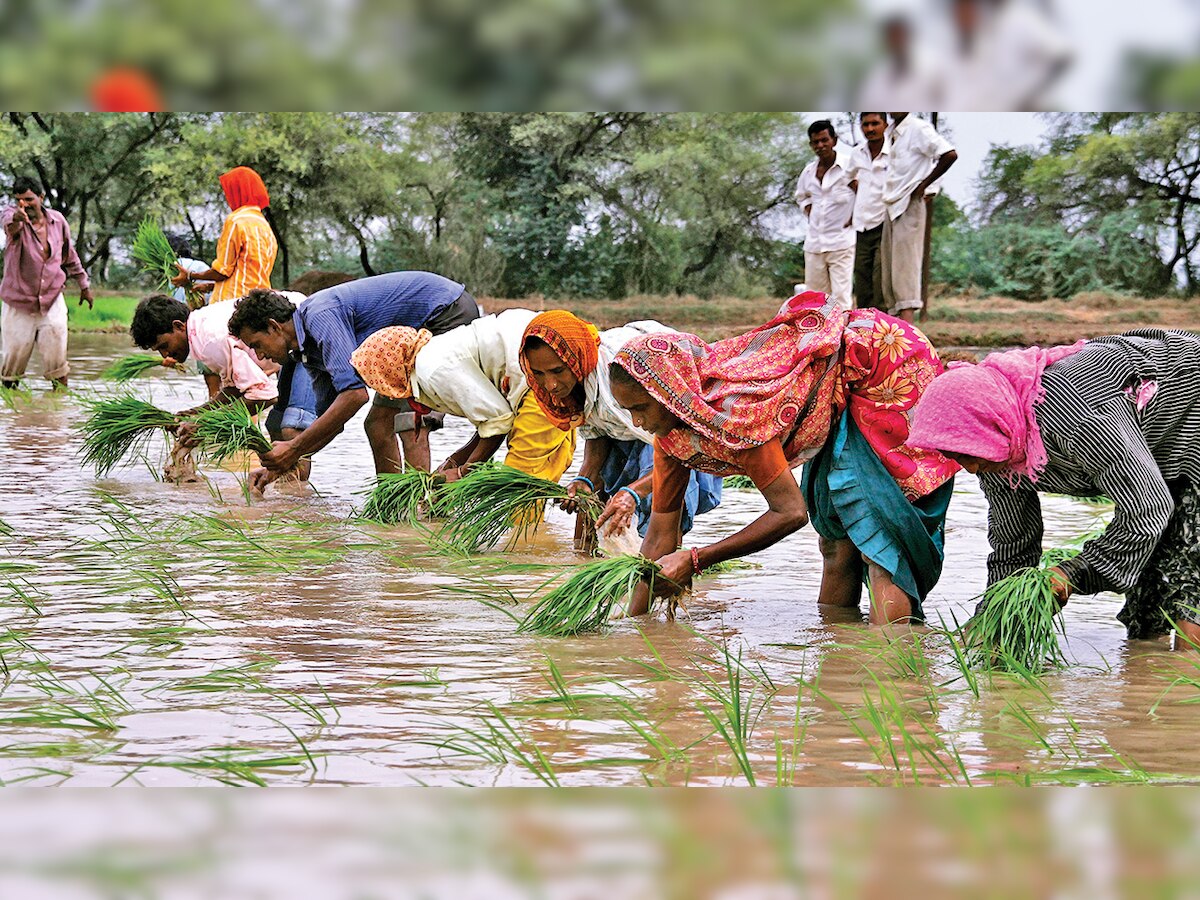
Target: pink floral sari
{"points": [[790, 379]]}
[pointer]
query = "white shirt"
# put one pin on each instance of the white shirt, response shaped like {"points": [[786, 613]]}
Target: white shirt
{"points": [[832, 203], [1026, 48], [602, 415], [915, 88], [916, 148], [238, 367], [870, 174], [474, 371]]}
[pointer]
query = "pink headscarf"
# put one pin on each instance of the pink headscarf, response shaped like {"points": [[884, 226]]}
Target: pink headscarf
{"points": [[986, 410]]}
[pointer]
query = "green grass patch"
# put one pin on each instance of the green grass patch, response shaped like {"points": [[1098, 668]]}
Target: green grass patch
{"points": [[108, 314]]}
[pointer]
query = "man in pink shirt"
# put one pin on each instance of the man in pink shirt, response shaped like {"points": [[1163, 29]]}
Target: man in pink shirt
{"points": [[38, 258], [168, 327]]}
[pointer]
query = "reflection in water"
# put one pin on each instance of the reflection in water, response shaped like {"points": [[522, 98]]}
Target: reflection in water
{"points": [[164, 636]]}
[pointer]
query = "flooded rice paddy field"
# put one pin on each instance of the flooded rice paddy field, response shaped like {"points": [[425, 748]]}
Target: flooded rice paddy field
{"points": [[161, 635]]}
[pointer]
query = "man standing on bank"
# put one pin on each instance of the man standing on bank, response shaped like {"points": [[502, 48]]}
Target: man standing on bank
{"points": [[868, 169], [38, 258], [825, 195], [919, 157]]}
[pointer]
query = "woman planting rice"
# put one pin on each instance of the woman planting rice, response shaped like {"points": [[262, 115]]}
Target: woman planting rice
{"points": [[472, 372], [1117, 417], [566, 363], [813, 385]]}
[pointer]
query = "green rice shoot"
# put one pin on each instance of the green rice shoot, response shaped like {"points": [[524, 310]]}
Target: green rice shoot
{"points": [[402, 498], [224, 431], [119, 427], [739, 483], [151, 249], [493, 499], [1016, 628], [135, 364], [584, 601]]}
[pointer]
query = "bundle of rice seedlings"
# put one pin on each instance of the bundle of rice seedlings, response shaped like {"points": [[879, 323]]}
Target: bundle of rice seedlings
{"points": [[493, 499], [584, 601], [151, 249], [402, 497], [1016, 627], [129, 367], [119, 426], [227, 430], [740, 483]]}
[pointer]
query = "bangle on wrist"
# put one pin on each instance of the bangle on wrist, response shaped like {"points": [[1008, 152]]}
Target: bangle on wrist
{"points": [[695, 561], [587, 481], [632, 493]]}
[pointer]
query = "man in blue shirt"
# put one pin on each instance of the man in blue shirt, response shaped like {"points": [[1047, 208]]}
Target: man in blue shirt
{"points": [[322, 332]]}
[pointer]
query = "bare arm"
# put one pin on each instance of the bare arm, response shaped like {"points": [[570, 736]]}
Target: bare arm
{"points": [[945, 161], [285, 454]]}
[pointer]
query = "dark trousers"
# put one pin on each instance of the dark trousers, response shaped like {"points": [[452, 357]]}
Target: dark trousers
{"points": [[868, 269]]}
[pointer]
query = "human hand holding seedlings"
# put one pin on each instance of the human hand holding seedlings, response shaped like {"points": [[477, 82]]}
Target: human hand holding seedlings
{"points": [[259, 478], [1061, 585], [677, 571], [569, 503], [185, 434], [182, 279], [281, 457]]}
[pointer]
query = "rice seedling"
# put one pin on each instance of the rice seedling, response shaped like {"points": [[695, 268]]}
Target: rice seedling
{"points": [[153, 251], [584, 601], [736, 712], [232, 766], [135, 364], [499, 741], [493, 499], [739, 483], [1017, 625], [226, 430], [402, 498], [118, 427]]}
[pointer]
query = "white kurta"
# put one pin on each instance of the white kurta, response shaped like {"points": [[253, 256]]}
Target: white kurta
{"points": [[475, 372], [602, 416]]}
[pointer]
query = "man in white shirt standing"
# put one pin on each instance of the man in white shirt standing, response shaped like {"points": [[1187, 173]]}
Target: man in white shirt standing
{"points": [[868, 169], [919, 157], [825, 195]]}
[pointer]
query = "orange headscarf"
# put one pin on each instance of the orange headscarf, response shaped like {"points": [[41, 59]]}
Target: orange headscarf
{"points": [[577, 344], [126, 89], [244, 187], [386, 359]]}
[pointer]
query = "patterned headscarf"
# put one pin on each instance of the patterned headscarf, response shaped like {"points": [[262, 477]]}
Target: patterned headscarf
{"points": [[577, 344], [386, 359], [987, 410], [743, 391], [244, 187]]}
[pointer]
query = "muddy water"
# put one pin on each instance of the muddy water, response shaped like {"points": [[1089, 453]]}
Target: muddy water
{"points": [[141, 647]]}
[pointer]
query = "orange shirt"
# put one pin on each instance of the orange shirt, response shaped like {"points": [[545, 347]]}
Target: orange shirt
{"points": [[763, 464], [245, 253]]}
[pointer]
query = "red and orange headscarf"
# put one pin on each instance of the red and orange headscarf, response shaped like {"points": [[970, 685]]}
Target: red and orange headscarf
{"points": [[577, 344], [244, 187]]}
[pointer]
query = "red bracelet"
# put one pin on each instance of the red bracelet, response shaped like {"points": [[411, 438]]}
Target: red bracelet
{"points": [[695, 561]]}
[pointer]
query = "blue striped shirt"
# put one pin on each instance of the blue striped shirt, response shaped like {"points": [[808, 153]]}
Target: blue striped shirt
{"points": [[332, 323]]}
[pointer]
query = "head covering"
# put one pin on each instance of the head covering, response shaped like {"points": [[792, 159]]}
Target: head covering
{"points": [[244, 187], [126, 89], [743, 391], [577, 344], [987, 410], [386, 359]]}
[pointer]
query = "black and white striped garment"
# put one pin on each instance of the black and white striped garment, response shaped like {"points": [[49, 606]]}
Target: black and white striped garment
{"points": [[1121, 419]]}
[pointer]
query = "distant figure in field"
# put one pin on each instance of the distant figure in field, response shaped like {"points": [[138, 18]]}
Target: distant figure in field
{"points": [[38, 258], [247, 246], [825, 194], [919, 157], [868, 169]]}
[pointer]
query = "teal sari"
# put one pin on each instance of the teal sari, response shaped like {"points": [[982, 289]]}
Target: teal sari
{"points": [[851, 495]]}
